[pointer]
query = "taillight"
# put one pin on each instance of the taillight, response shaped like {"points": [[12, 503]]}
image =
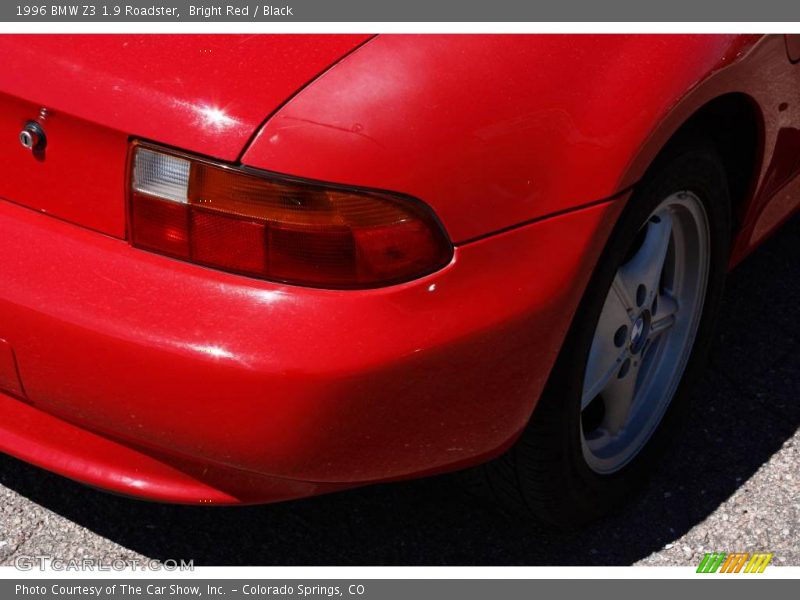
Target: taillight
{"points": [[264, 225]]}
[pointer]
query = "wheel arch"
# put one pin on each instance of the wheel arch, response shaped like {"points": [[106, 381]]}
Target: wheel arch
{"points": [[734, 123]]}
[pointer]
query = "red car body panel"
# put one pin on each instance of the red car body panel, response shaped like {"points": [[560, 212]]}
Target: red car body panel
{"points": [[490, 141], [264, 387], [158, 378], [203, 93], [206, 94]]}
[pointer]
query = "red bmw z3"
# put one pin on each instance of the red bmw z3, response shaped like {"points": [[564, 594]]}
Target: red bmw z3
{"points": [[249, 269]]}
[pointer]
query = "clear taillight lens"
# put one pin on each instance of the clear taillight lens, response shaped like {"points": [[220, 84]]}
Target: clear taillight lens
{"points": [[276, 228]]}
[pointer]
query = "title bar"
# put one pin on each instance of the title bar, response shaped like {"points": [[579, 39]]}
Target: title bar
{"points": [[462, 11]]}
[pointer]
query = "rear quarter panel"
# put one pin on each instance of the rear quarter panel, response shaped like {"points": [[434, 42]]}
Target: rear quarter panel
{"points": [[494, 131]]}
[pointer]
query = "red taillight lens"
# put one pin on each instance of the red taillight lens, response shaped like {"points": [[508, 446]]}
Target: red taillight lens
{"points": [[261, 225]]}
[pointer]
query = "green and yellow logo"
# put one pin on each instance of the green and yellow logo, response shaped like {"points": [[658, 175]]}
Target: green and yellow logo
{"points": [[736, 562]]}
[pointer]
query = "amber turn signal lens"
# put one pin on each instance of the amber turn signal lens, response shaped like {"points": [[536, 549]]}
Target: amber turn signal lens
{"points": [[263, 225]]}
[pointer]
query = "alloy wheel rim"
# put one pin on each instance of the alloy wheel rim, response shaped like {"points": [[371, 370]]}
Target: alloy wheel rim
{"points": [[645, 333]]}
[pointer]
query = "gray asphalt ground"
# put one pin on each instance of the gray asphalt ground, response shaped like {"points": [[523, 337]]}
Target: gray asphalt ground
{"points": [[732, 482]]}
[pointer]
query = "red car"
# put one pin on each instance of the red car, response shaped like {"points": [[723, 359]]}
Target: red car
{"points": [[248, 269]]}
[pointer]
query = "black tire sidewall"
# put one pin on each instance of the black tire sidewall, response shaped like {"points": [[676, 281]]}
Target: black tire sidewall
{"points": [[584, 494]]}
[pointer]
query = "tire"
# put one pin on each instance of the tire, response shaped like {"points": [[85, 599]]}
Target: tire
{"points": [[553, 473]]}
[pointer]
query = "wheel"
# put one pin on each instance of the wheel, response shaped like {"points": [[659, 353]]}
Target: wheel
{"points": [[617, 393]]}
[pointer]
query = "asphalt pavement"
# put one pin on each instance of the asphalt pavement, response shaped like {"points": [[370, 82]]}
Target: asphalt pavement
{"points": [[731, 483]]}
